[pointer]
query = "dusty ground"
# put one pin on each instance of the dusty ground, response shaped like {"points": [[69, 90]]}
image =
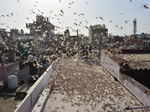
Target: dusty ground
{"points": [[7, 104], [85, 88]]}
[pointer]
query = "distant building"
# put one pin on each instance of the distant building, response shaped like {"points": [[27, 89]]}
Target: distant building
{"points": [[41, 25], [14, 34], [8, 44], [96, 34], [25, 37], [142, 41], [146, 40], [2, 30], [43, 31]]}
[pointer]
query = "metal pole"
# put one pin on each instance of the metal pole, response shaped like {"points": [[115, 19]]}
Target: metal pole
{"points": [[77, 32], [137, 108]]}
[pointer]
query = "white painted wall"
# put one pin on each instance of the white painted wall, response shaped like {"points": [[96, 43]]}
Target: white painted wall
{"points": [[138, 90], [110, 65], [34, 92], [133, 86]]}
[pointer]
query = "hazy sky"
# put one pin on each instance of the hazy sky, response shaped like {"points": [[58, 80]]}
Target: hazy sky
{"points": [[15, 13]]}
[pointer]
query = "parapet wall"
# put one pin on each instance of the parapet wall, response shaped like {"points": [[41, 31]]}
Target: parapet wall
{"points": [[109, 64], [34, 92], [136, 88], [135, 51]]}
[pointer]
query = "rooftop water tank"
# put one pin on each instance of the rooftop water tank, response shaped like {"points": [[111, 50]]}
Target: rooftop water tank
{"points": [[12, 82]]}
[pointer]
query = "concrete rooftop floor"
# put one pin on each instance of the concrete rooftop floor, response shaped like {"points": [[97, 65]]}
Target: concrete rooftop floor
{"points": [[80, 87], [7, 104]]}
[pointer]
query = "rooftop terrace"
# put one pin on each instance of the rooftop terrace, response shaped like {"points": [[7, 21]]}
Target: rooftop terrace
{"points": [[80, 87]]}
